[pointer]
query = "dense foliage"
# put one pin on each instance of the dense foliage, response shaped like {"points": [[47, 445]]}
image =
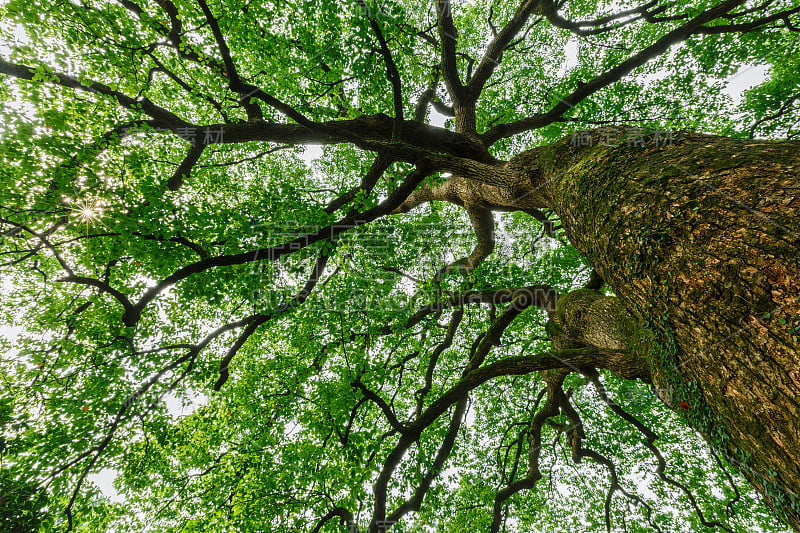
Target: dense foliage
{"points": [[209, 299]]}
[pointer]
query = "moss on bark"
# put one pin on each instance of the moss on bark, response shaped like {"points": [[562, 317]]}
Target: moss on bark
{"points": [[700, 241]]}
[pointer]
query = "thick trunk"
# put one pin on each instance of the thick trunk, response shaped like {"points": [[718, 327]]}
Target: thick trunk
{"points": [[700, 241]]}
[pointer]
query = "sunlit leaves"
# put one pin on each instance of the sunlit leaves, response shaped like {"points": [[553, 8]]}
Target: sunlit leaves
{"points": [[291, 434]]}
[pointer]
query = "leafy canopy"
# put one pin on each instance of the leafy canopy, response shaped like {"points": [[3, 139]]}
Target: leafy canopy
{"points": [[196, 203]]}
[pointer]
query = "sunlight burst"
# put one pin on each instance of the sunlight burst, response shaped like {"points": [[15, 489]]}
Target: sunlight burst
{"points": [[87, 211]]}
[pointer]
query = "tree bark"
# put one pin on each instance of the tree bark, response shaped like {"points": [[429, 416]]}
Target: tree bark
{"points": [[699, 238]]}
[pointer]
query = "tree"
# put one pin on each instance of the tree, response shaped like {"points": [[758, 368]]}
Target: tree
{"points": [[536, 234]]}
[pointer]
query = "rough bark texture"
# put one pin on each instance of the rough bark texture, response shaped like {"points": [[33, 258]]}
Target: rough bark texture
{"points": [[700, 241], [586, 318]]}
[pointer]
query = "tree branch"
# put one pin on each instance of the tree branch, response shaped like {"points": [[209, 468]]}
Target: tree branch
{"points": [[649, 442], [131, 316], [345, 519], [381, 403], [368, 182], [173, 32], [184, 170], [414, 503], [494, 52], [556, 113], [260, 318], [140, 104], [648, 12], [448, 36], [549, 410], [235, 82], [427, 97], [391, 73], [752, 25]]}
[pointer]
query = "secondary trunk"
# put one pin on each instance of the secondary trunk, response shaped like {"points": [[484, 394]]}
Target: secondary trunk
{"points": [[699, 238]]}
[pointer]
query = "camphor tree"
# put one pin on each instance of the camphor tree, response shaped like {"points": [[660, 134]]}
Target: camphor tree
{"points": [[539, 273]]}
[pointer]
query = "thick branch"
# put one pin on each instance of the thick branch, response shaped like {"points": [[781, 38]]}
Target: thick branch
{"points": [[369, 132], [185, 168], [449, 37], [427, 97], [483, 225], [649, 12], [345, 519], [542, 296]]}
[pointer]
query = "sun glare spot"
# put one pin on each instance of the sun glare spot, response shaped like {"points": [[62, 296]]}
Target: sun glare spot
{"points": [[87, 211]]}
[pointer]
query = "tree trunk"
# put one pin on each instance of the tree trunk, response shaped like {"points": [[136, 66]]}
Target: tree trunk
{"points": [[699, 238]]}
